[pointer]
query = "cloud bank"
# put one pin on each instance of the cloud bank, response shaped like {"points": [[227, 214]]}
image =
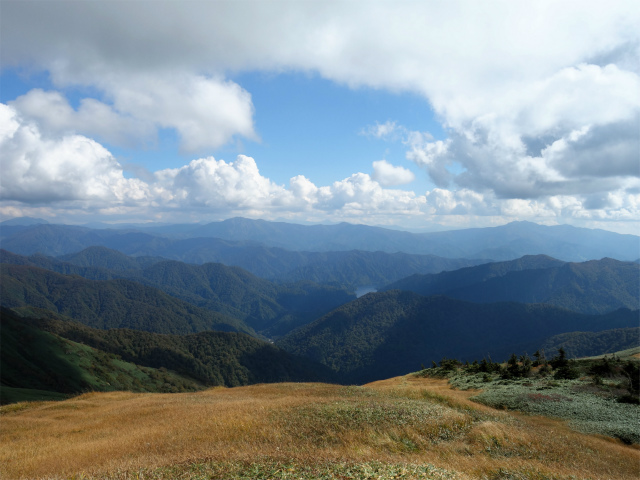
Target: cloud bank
{"points": [[78, 174]]}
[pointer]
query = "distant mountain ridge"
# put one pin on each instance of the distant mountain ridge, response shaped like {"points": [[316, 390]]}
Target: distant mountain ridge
{"points": [[24, 221], [352, 268], [505, 242], [596, 286]]}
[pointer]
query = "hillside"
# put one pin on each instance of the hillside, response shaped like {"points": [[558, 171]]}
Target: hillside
{"points": [[596, 286], [35, 365], [589, 344], [386, 334], [53, 354], [107, 304]]}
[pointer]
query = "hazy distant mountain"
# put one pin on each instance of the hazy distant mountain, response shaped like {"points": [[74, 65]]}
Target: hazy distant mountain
{"points": [[499, 243], [23, 221], [381, 335], [353, 268], [51, 240], [597, 286], [196, 245], [107, 304]]}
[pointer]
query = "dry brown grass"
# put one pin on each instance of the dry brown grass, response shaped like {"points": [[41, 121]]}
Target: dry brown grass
{"points": [[405, 420]]}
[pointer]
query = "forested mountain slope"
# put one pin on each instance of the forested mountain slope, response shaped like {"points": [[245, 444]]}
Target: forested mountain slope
{"points": [[596, 286], [271, 308], [589, 344], [53, 354], [382, 335], [39, 365], [349, 268], [108, 303]]}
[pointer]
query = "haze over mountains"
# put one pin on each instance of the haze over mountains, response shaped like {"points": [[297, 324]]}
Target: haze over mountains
{"points": [[467, 293], [505, 242]]}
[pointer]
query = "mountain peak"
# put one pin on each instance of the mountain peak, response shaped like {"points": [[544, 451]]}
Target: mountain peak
{"points": [[23, 221]]}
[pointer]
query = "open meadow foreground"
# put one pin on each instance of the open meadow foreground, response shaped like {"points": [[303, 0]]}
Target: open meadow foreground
{"points": [[404, 427]]}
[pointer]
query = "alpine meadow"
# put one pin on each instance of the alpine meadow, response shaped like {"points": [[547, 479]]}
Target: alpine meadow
{"points": [[336, 240]]}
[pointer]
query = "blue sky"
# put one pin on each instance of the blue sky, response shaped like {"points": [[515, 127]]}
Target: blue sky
{"points": [[304, 123], [417, 115]]}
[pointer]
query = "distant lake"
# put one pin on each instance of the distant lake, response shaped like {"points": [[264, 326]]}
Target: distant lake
{"points": [[364, 289]]}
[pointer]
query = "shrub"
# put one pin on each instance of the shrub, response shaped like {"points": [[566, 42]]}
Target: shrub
{"points": [[567, 372]]}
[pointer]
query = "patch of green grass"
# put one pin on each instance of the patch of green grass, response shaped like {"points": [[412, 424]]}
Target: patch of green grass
{"points": [[276, 470], [590, 404], [585, 411]]}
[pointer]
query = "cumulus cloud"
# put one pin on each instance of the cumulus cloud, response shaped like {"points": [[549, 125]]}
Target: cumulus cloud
{"points": [[386, 174], [52, 111], [360, 193], [49, 170], [45, 176], [219, 185], [206, 112], [38, 169]]}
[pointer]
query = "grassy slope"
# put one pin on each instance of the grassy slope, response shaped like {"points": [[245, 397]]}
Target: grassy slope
{"points": [[596, 401], [407, 427]]}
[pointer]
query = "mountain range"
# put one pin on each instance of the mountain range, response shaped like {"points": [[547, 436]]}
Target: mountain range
{"points": [[200, 301], [505, 242]]}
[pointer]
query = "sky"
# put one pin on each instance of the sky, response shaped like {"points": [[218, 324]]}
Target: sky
{"points": [[417, 115]]}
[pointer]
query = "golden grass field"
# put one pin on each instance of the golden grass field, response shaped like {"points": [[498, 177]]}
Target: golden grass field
{"points": [[406, 427]]}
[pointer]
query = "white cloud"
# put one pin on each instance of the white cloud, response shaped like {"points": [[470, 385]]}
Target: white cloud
{"points": [[52, 111], [387, 175], [38, 169], [387, 131], [48, 176], [220, 185], [206, 112]]}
